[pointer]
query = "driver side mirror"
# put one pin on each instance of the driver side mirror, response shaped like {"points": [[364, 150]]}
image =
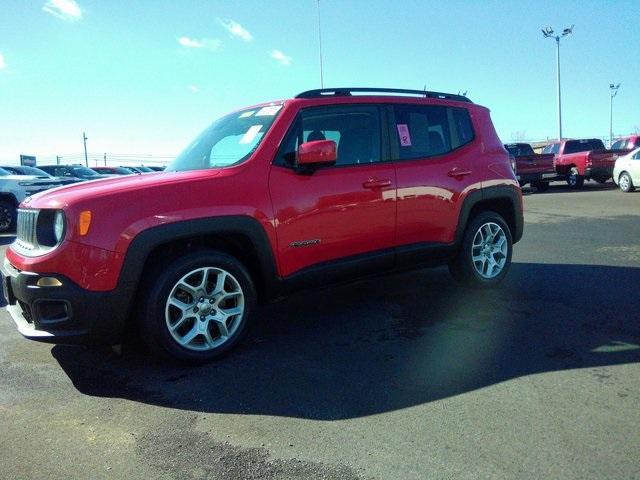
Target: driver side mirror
{"points": [[317, 154]]}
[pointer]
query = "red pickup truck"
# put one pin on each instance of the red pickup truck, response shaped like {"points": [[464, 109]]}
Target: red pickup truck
{"points": [[584, 159], [537, 170], [626, 143]]}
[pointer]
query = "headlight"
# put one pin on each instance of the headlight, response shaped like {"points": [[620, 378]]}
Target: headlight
{"points": [[58, 225]]}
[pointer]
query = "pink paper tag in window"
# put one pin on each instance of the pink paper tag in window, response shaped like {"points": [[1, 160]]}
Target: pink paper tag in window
{"points": [[403, 132]]}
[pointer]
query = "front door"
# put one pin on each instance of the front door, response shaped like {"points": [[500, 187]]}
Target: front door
{"points": [[340, 211]]}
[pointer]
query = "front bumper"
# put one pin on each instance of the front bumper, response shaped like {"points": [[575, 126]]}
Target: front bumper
{"points": [[62, 314]]}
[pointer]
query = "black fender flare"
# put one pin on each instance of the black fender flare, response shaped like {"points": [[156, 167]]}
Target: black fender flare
{"points": [[146, 241], [498, 192]]}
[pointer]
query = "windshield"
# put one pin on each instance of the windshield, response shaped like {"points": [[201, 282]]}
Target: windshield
{"points": [[228, 141], [3, 172], [84, 172], [33, 171]]}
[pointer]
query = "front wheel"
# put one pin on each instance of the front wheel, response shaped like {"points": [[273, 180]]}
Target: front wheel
{"points": [[575, 180], [197, 307], [485, 254], [625, 183]]}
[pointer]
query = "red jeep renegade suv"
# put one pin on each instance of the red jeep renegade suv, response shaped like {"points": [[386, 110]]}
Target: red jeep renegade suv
{"points": [[330, 185]]}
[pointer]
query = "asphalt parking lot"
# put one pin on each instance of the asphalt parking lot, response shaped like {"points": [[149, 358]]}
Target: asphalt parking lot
{"points": [[407, 376]]}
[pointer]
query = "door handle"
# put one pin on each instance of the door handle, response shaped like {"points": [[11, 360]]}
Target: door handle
{"points": [[375, 183], [458, 172]]}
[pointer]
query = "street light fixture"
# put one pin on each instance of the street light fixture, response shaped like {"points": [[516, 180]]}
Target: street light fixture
{"points": [[548, 32], [613, 91]]}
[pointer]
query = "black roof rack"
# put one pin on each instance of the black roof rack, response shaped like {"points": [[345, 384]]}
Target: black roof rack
{"points": [[348, 91]]}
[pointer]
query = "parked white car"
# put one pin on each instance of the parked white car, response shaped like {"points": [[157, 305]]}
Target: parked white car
{"points": [[14, 189], [626, 172]]}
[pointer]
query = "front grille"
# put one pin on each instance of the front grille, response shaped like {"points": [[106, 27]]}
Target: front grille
{"points": [[26, 234]]}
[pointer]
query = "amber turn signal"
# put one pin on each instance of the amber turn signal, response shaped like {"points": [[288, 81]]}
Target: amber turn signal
{"points": [[84, 222]]}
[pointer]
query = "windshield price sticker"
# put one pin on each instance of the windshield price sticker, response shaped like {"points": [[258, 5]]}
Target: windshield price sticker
{"points": [[268, 111], [403, 132], [251, 134], [247, 114]]}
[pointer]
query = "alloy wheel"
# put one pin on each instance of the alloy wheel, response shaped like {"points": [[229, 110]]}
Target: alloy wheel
{"points": [[624, 182], [204, 308], [489, 250]]}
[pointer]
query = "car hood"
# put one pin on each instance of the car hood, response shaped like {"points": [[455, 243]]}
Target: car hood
{"points": [[111, 186]]}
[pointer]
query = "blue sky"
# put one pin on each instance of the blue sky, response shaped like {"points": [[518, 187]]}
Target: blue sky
{"points": [[147, 76]]}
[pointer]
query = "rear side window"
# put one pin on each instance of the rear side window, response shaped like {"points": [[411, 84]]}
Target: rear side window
{"points": [[574, 146], [519, 149], [429, 130]]}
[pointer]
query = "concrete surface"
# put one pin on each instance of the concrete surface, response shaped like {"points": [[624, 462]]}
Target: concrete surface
{"points": [[407, 376]]}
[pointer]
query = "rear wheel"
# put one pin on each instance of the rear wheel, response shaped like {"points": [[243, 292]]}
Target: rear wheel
{"points": [[485, 254], [197, 308], [8, 215], [625, 183], [575, 180]]}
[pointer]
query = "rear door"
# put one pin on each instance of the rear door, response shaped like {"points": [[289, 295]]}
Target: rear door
{"points": [[339, 211], [433, 146]]}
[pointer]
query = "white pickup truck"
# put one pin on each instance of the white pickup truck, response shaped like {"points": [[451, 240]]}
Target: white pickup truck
{"points": [[14, 189]]}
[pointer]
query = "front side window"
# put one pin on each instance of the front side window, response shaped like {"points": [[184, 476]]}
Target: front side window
{"points": [[428, 130], [230, 140], [355, 129]]}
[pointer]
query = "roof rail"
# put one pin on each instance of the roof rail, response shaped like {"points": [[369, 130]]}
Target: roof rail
{"points": [[348, 91]]}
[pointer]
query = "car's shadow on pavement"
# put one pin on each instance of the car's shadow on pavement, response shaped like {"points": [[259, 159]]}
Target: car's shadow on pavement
{"points": [[391, 343]]}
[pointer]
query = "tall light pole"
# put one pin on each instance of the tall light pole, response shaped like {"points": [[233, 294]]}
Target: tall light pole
{"points": [[320, 45], [548, 32], [613, 91], [84, 139]]}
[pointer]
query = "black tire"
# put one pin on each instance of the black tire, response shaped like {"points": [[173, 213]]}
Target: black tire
{"points": [[8, 216], [159, 284], [625, 183], [541, 186], [462, 267], [575, 180]]}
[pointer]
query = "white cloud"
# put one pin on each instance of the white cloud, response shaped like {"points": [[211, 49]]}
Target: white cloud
{"points": [[63, 9], [190, 42], [193, 88], [208, 43], [281, 57], [236, 30], [2, 62]]}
